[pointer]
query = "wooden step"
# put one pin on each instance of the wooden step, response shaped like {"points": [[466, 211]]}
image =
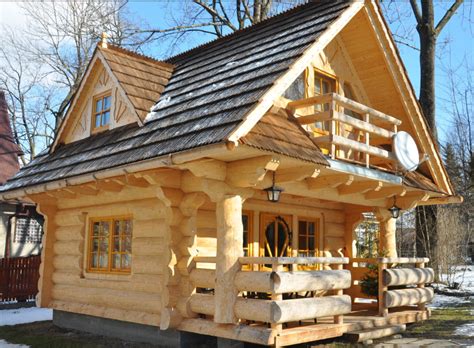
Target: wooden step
{"points": [[373, 333]]}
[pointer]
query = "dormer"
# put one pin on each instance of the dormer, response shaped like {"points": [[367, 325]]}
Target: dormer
{"points": [[118, 88]]}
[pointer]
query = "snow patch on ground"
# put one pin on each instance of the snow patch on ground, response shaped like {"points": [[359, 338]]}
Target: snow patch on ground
{"points": [[447, 301], [5, 344], [24, 315], [465, 330]]}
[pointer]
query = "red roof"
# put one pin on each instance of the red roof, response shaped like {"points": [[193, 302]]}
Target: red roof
{"points": [[9, 150]]}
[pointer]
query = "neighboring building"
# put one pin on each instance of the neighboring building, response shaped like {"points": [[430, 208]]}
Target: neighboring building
{"points": [[172, 218], [20, 225]]}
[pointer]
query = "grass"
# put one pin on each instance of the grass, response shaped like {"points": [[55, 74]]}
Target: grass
{"points": [[443, 323], [45, 335]]}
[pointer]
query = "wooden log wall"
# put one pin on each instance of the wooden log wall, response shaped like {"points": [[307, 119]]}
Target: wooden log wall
{"points": [[153, 284]]}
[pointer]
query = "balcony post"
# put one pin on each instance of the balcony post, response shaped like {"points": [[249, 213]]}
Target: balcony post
{"points": [[229, 249], [387, 233], [421, 306], [383, 311]]}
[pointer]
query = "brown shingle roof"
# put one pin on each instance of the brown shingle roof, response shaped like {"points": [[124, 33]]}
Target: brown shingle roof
{"points": [[209, 93], [142, 78]]}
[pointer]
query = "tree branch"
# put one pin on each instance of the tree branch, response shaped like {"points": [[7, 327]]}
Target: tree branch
{"points": [[447, 16], [416, 11]]}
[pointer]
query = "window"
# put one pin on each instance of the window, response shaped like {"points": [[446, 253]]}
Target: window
{"points": [[28, 230], [308, 238], [110, 245], [248, 236], [323, 84], [101, 116]]}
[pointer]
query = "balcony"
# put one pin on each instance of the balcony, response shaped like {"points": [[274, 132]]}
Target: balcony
{"points": [[347, 130]]}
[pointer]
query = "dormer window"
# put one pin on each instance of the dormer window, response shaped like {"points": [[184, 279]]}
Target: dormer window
{"points": [[101, 114]]}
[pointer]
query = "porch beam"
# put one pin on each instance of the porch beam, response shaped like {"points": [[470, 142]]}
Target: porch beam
{"points": [[87, 190], [296, 174], [329, 181], [229, 249], [207, 168], [410, 200], [361, 187], [109, 185], [386, 192], [249, 172]]}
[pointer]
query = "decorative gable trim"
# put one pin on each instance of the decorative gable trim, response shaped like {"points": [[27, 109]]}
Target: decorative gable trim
{"points": [[408, 99]]}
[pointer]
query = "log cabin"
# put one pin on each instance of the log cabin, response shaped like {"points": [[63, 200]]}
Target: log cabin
{"points": [[215, 195]]}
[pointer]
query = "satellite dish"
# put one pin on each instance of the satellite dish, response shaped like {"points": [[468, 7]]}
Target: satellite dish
{"points": [[406, 151]]}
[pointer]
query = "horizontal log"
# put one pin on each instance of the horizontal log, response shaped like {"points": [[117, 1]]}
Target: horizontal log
{"points": [[70, 233], [311, 281], [107, 312], [403, 260], [126, 300], [68, 247], [203, 278], [135, 283], [202, 304], [148, 246], [148, 264], [408, 276], [205, 259], [406, 297], [66, 218], [170, 318], [255, 281], [285, 311], [68, 262], [150, 228], [293, 260]]}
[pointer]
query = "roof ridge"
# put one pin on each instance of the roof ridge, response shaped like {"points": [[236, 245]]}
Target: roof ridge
{"points": [[128, 52], [231, 35]]}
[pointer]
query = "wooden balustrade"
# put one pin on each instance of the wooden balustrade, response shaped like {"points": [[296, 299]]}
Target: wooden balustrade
{"points": [[369, 127], [401, 277], [274, 309]]}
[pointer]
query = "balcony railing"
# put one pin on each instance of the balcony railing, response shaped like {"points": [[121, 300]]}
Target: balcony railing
{"points": [[346, 129], [278, 296]]}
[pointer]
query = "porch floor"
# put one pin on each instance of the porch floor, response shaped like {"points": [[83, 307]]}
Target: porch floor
{"points": [[361, 318]]}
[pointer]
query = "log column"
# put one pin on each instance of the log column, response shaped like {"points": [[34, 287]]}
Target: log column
{"points": [[388, 233], [229, 249]]}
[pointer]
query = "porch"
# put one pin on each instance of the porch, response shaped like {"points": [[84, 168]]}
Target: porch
{"points": [[282, 301]]}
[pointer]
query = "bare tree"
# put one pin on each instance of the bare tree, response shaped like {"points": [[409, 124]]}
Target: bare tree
{"points": [[41, 65]]}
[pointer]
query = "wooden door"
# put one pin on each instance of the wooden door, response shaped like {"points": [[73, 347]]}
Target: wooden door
{"points": [[275, 235]]}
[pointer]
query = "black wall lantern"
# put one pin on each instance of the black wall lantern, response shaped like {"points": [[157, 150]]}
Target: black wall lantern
{"points": [[273, 192], [395, 210]]}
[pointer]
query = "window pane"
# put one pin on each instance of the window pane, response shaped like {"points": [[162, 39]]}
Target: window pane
{"points": [[326, 87], [128, 227], [103, 260], [245, 222], [311, 228], [107, 102], [96, 228], [104, 245], [105, 118], [302, 228], [97, 121], [94, 260], [105, 228], [116, 261], [246, 239], [126, 261], [128, 245], [98, 105], [311, 243], [317, 86], [116, 244], [95, 244], [302, 243], [116, 228]]}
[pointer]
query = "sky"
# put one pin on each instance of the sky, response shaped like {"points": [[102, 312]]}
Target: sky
{"points": [[458, 32]]}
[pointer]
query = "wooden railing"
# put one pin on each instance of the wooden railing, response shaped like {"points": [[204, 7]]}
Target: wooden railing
{"points": [[19, 278], [349, 130], [280, 295], [395, 272], [401, 277]]}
